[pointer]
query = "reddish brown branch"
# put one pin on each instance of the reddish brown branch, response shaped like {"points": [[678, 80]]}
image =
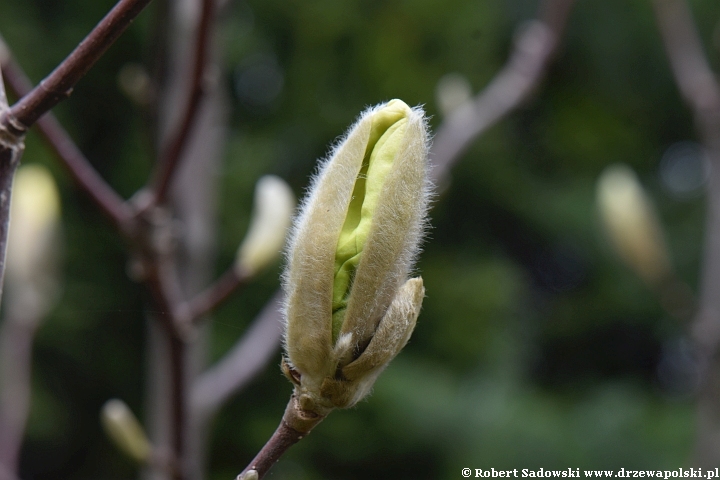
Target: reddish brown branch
{"points": [[171, 153], [69, 154], [535, 46], [59, 84], [210, 298], [164, 305], [295, 424], [698, 86]]}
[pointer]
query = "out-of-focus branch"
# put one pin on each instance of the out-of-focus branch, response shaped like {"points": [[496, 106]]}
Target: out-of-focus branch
{"points": [[59, 84], [66, 150], [535, 46], [16, 342], [701, 92], [246, 359], [11, 149], [210, 298], [171, 153]]}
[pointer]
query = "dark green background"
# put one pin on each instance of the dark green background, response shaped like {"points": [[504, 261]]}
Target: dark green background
{"points": [[535, 347]]}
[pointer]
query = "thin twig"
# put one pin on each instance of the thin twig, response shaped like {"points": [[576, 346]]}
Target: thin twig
{"points": [[164, 305], [535, 46], [172, 152], [16, 344], [296, 423], [59, 84], [67, 151], [210, 298], [701, 92]]}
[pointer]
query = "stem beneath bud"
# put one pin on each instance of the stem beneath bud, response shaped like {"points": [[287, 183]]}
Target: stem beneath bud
{"points": [[295, 424]]}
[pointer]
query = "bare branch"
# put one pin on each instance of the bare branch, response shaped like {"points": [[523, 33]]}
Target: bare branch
{"points": [[240, 365], [296, 424], [172, 152], [59, 84], [67, 151], [701, 92], [16, 343], [210, 298], [535, 46]]}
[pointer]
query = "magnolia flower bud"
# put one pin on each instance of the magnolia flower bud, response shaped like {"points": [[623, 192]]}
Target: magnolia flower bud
{"points": [[350, 307], [630, 220], [125, 431], [32, 240], [274, 206]]}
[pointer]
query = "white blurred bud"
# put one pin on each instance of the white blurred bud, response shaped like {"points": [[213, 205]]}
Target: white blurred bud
{"points": [[33, 237], [272, 215], [632, 225], [123, 428], [452, 90], [135, 83]]}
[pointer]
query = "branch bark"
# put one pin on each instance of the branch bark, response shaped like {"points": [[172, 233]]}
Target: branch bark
{"points": [[172, 152], [16, 345], [296, 423]]}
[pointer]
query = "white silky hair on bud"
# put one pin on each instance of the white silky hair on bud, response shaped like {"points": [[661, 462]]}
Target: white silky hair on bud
{"points": [[274, 205], [388, 256]]}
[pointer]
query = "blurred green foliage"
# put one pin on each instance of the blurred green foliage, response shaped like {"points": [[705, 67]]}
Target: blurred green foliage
{"points": [[536, 347]]}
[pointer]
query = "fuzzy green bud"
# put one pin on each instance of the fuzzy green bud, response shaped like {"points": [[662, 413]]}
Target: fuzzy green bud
{"points": [[350, 306]]}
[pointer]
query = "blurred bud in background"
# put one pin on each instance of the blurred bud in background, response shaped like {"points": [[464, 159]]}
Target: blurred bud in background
{"points": [[123, 428], [134, 81], [451, 91], [632, 225], [273, 209], [31, 273]]}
